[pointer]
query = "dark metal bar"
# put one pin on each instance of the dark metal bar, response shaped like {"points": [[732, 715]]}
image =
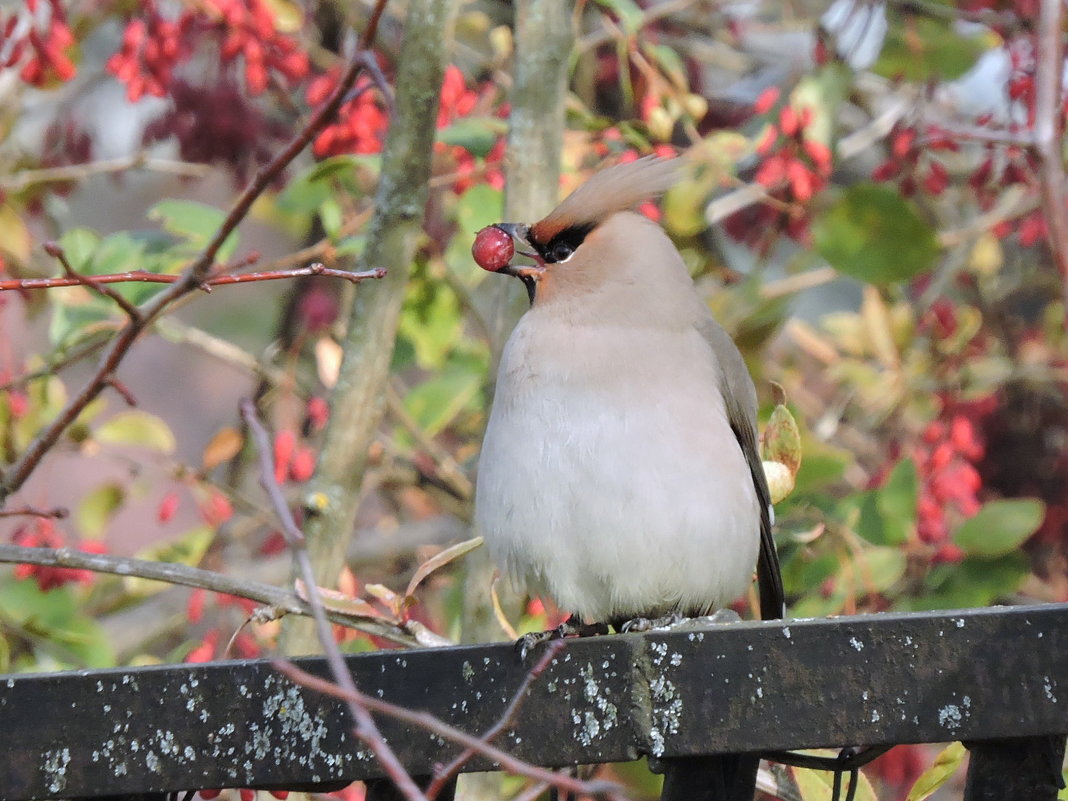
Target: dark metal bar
{"points": [[1018, 769], [745, 687]]}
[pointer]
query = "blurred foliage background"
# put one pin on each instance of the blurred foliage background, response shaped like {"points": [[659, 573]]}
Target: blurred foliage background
{"points": [[865, 215]]}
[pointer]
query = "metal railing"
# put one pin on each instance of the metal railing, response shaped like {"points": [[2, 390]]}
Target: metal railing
{"points": [[996, 679]]}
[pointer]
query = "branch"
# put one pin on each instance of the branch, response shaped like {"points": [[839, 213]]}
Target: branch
{"points": [[1049, 65], [366, 729], [393, 236], [193, 277], [75, 172], [284, 601], [54, 250], [425, 720], [143, 276], [56, 513], [445, 774]]}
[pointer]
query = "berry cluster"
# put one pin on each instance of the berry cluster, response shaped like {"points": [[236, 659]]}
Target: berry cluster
{"points": [[40, 40], [794, 168], [42, 533], [949, 482]]}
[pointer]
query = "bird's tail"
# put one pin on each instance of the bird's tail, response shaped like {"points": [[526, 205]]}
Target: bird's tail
{"points": [[723, 777]]}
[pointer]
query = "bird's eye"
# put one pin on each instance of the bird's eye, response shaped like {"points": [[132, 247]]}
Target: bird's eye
{"points": [[561, 252]]}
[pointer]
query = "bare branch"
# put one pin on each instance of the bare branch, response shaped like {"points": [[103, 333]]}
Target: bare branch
{"points": [[366, 729], [392, 238], [1049, 66], [193, 277], [173, 573], [54, 250], [77, 172], [425, 720], [143, 276], [56, 513], [446, 773]]}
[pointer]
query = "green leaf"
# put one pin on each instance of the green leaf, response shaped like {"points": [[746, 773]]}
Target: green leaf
{"points": [[97, 508], [138, 428], [431, 322], [896, 502], [879, 569], [331, 217], [25, 604], [436, 403], [973, 582], [334, 167], [87, 641], [194, 222], [873, 234], [476, 135], [869, 521], [79, 245], [1000, 527], [941, 770], [188, 550], [922, 49]]}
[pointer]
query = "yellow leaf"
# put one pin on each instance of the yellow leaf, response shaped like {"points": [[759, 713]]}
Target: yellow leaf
{"points": [[137, 428], [188, 550], [880, 335], [14, 236], [439, 560], [224, 446], [342, 604], [944, 766], [287, 16], [987, 255], [498, 612]]}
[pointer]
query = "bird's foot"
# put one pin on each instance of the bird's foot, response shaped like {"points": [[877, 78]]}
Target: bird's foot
{"points": [[638, 624], [572, 627]]}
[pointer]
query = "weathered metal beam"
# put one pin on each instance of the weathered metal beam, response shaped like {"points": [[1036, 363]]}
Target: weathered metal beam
{"points": [[974, 675]]}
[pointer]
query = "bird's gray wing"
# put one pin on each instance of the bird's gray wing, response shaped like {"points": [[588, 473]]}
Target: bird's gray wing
{"points": [[741, 402]]}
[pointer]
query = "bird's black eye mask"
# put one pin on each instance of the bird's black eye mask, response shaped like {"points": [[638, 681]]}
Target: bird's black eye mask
{"points": [[563, 245]]}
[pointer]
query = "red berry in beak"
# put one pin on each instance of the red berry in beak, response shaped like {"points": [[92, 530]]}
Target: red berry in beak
{"points": [[493, 249]]}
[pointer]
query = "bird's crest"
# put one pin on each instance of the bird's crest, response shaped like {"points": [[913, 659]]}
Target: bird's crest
{"points": [[617, 188]]}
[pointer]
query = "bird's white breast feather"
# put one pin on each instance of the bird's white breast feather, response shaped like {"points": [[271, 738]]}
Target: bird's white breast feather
{"points": [[611, 482]]}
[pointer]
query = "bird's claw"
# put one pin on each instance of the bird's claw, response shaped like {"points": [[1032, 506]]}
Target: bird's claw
{"points": [[572, 627], [639, 624]]}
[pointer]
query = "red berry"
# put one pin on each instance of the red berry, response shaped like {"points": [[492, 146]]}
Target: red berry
{"points": [[493, 249]]}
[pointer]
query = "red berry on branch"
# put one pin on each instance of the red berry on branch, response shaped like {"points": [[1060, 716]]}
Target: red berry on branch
{"points": [[493, 249]]}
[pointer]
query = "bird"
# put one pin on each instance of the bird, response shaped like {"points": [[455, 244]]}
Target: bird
{"points": [[619, 473]]}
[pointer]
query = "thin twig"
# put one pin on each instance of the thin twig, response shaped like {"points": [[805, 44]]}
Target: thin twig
{"points": [[183, 575], [445, 774], [448, 469], [76, 172], [425, 720], [54, 250], [648, 16], [194, 276], [56, 513], [366, 729], [1049, 65], [144, 276]]}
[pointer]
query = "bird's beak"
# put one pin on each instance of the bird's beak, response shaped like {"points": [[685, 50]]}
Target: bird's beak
{"points": [[528, 274]]}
